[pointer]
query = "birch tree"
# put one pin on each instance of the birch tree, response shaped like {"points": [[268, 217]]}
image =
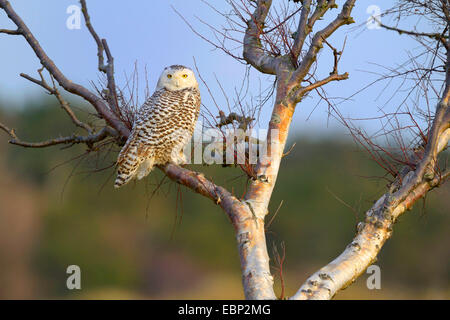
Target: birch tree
{"points": [[291, 57]]}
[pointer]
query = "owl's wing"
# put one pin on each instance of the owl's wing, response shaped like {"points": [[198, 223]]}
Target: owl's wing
{"points": [[133, 153], [134, 145], [131, 143]]}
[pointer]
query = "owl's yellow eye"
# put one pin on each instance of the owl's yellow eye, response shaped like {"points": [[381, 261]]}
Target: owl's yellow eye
{"points": [[169, 76], [185, 75]]}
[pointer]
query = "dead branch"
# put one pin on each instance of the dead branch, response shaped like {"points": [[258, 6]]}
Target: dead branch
{"points": [[412, 183], [226, 120], [299, 94], [103, 110], [373, 233], [271, 52], [343, 18], [108, 69], [62, 80], [54, 91], [250, 237], [253, 257], [10, 32], [288, 80], [253, 50], [436, 36], [89, 140], [304, 28]]}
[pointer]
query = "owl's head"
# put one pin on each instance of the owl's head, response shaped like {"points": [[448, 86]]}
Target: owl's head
{"points": [[177, 77]]}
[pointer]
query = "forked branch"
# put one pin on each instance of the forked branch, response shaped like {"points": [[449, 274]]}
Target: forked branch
{"points": [[62, 80], [247, 215], [240, 213], [253, 50]]}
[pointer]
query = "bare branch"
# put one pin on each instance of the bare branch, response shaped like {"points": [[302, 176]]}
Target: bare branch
{"points": [[11, 32], [41, 82], [317, 43], [199, 184], [303, 28], [215, 45], [226, 120], [176, 173], [108, 69], [361, 253], [306, 23], [321, 8], [247, 215], [332, 77], [67, 84], [54, 91], [410, 186], [65, 105], [256, 277], [89, 140], [253, 50], [98, 41], [436, 36]]}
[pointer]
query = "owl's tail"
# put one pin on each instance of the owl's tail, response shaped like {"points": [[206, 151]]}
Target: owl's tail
{"points": [[123, 178], [127, 163], [139, 170], [131, 164]]}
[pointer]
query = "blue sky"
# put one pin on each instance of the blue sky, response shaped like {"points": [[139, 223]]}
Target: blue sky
{"points": [[152, 34]]}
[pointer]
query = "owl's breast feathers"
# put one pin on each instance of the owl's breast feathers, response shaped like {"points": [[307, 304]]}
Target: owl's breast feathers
{"points": [[165, 122]]}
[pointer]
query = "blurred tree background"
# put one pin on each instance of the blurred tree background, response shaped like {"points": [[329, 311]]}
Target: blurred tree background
{"points": [[58, 208]]}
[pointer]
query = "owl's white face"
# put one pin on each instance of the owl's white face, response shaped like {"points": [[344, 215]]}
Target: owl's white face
{"points": [[177, 78]]}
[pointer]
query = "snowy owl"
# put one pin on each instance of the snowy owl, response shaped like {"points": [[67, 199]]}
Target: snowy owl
{"points": [[162, 127]]}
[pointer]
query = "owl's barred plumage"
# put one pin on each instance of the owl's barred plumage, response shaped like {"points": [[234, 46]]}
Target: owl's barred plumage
{"points": [[163, 126]]}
